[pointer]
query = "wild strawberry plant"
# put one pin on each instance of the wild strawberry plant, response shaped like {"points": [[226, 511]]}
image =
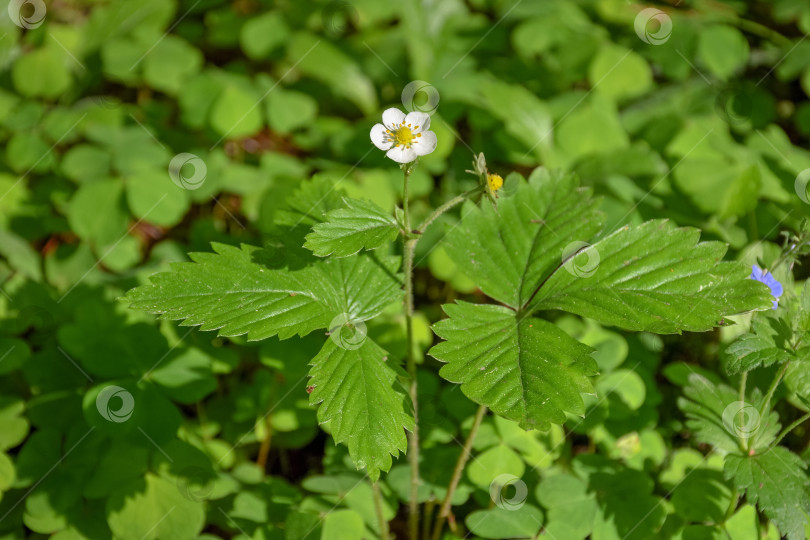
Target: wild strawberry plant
{"points": [[532, 248]]}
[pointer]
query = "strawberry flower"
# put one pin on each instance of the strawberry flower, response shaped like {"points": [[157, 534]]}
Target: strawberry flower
{"points": [[404, 138]]}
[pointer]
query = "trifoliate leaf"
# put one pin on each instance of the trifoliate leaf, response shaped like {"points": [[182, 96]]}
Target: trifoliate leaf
{"points": [[532, 254], [361, 403], [359, 225], [524, 369], [776, 481], [750, 351], [508, 252], [236, 292], [655, 277]]}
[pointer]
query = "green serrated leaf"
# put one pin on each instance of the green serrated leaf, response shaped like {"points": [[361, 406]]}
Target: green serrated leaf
{"points": [[236, 292], [777, 483], [359, 225], [524, 369], [508, 252], [655, 277], [361, 403], [717, 417], [750, 351], [310, 203]]}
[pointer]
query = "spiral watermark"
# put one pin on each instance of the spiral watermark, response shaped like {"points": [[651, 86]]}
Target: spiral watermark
{"points": [[500, 488], [28, 14], [800, 185], [580, 259], [347, 333], [338, 17], [742, 419], [735, 104], [180, 174], [645, 26], [111, 414], [195, 484], [420, 96]]}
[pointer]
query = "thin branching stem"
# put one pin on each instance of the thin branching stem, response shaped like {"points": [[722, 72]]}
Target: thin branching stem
{"points": [[790, 428], [447, 206], [378, 509], [444, 511], [743, 381]]}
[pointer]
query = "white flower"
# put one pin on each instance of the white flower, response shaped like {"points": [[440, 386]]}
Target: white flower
{"points": [[404, 137]]}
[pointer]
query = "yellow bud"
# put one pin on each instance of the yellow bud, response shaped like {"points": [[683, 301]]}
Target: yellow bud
{"points": [[495, 181]]}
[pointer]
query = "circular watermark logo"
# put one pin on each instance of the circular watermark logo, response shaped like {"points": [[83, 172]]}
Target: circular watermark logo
{"points": [[741, 418], [420, 96], [800, 185], [508, 492], [580, 259], [338, 17], [28, 14], [347, 333], [195, 484], [107, 410], [187, 171], [653, 26]]}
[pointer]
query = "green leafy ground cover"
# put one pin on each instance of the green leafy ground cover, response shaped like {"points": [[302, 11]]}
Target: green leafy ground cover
{"points": [[591, 321]]}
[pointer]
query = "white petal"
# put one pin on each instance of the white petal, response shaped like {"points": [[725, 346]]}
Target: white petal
{"points": [[400, 154], [392, 117], [379, 136], [418, 121], [425, 144]]}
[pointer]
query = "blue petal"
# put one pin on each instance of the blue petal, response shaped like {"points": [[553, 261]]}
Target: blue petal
{"points": [[756, 273], [776, 287]]}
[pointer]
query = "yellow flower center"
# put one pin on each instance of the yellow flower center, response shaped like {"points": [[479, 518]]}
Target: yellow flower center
{"points": [[403, 135], [495, 181]]}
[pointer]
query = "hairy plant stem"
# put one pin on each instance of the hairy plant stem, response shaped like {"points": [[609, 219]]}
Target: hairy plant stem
{"points": [[790, 428], [264, 448], [444, 511], [447, 206], [743, 381], [429, 506], [375, 488], [411, 238], [413, 447]]}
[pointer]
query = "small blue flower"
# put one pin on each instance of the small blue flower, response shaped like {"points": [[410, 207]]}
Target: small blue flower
{"points": [[763, 276]]}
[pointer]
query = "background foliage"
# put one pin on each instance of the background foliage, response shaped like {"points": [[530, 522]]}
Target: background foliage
{"points": [[707, 127]]}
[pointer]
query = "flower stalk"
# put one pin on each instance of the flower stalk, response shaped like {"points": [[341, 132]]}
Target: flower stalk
{"points": [[413, 447]]}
